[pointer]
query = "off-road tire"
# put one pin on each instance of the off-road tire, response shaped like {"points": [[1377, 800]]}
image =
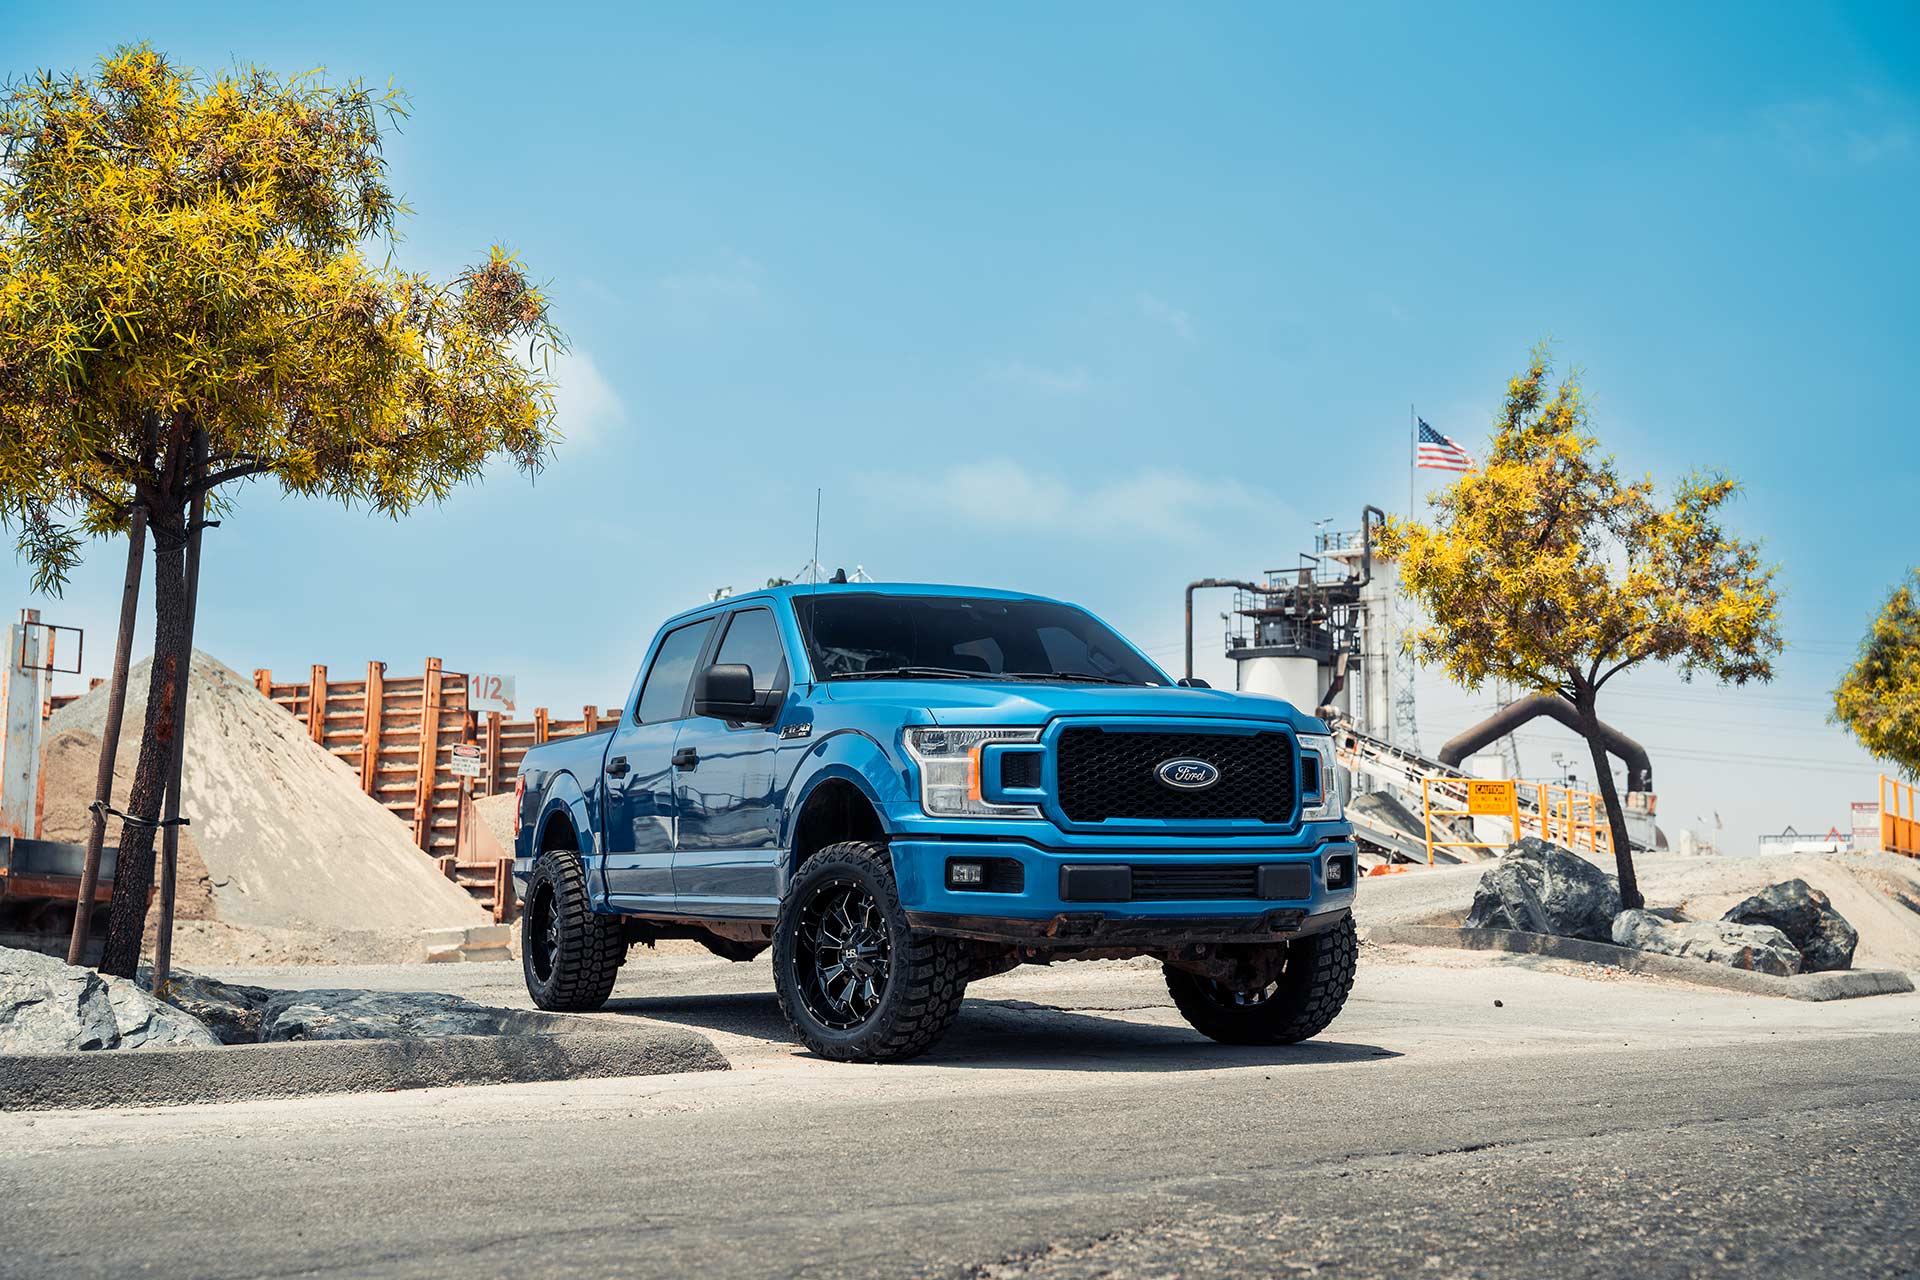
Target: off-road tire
{"points": [[1309, 994], [927, 975], [586, 951]]}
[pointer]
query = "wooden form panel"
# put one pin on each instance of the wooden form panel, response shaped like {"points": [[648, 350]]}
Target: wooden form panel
{"points": [[403, 753]]}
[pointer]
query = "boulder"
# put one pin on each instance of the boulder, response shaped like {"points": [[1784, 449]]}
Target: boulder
{"points": [[48, 1006], [1822, 935], [378, 1015], [1537, 887], [1758, 947], [236, 1014]]}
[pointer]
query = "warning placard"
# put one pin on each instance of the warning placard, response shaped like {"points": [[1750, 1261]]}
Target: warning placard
{"points": [[469, 761], [1494, 798]]}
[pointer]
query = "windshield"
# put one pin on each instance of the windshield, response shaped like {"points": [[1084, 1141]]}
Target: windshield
{"points": [[863, 636]]}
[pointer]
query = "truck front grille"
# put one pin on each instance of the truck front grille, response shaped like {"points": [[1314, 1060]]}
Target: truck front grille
{"points": [[1194, 884], [1107, 774]]}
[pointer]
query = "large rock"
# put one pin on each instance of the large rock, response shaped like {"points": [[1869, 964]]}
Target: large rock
{"points": [[1758, 947], [1537, 887], [1822, 935], [236, 1014], [379, 1015], [47, 1006]]}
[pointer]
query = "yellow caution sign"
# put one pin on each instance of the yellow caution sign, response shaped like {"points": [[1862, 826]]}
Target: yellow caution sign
{"points": [[1490, 798]]}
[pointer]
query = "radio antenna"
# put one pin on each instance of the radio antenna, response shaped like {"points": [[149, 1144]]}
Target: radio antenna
{"points": [[813, 575]]}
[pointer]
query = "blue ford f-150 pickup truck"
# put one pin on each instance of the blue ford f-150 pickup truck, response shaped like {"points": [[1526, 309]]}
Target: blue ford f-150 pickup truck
{"points": [[901, 789]]}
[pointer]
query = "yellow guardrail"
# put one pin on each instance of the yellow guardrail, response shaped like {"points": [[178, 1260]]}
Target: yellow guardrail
{"points": [[1569, 817], [1899, 832]]}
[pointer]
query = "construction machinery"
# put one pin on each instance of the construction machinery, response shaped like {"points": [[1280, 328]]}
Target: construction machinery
{"points": [[1325, 633]]}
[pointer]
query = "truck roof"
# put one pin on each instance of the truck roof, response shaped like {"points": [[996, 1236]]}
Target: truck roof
{"points": [[804, 589]]}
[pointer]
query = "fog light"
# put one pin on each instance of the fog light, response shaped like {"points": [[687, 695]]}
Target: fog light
{"points": [[965, 874], [1340, 872]]}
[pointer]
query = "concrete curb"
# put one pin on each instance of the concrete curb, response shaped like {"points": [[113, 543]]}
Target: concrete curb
{"points": [[296, 1068], [1842, 984]]}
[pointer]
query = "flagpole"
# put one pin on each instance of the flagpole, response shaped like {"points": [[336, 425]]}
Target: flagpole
{"points": [[1413, 462]]}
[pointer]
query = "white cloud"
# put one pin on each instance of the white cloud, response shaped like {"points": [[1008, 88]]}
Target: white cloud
{"points": [[1054, 382], [1163, 312], [1002, 494], [1862, 129], [585, 404]]}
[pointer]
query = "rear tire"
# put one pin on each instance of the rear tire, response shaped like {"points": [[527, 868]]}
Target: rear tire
{"points": [[1308, 994], [855, 982], [570, 955]]}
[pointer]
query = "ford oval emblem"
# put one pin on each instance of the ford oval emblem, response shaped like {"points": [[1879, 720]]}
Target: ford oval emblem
{"points": [[1187, 775]]}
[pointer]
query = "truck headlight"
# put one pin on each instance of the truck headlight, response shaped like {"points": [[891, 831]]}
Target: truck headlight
{"points": [[950, 763], [1328, 808]]}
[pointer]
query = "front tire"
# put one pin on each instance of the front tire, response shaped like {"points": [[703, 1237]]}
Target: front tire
{"points": [[570, 955], [855, 982], [1299, 1003]]}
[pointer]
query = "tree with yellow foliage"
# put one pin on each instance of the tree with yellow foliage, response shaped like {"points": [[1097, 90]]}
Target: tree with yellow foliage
{"points": [[1544, 569], [1879, 698], [187, 301]]}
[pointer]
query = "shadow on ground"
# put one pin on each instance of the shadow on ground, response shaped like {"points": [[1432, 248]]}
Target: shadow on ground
{"points": [[1016, 1035]]}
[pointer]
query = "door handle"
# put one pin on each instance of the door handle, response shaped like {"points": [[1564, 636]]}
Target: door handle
{"points": [[686, 758], [617, 767]]}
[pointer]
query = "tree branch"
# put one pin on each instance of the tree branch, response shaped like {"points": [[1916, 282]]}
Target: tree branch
{"points": [[250, 468]]}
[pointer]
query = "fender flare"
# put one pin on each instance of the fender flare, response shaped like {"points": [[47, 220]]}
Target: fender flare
{"points": [[848, 756], [562, 794]]}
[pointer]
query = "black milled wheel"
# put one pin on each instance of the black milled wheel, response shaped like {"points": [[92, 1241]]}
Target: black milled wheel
{"points": [[571, 956], [1298, 1004], [855, 982]]}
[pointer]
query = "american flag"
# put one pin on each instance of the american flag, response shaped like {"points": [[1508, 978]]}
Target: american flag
{"points": [[1437, 453]]}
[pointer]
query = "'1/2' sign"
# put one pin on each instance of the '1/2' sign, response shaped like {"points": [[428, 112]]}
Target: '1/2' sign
{"points": [[490, 693]]}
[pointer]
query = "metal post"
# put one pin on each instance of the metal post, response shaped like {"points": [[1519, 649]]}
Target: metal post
{"points": [[110, 740], [20, 710], [170, 834], [1426, 813]]}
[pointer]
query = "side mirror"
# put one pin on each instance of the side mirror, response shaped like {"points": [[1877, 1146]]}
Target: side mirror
{"points": [[725, 692], [1193, 682]]}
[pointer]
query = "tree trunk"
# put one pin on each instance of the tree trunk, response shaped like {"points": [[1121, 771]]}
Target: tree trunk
{"points": [[133, 876], [110, 739], [1630, 898]]}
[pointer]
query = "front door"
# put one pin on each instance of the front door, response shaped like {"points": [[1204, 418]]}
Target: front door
{"points": [[640, 773], [731, 787]]}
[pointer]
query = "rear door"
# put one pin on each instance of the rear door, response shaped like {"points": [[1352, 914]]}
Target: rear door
{"points": [[731, 787], [640, 772]]}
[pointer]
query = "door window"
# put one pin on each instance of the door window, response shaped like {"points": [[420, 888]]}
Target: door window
{"points": [[754, 638], [664, 695]]}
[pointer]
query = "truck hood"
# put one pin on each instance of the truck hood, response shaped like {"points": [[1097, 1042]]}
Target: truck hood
{"points": [[1024, 702]]}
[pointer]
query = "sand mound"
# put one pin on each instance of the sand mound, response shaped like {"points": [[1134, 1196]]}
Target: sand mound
{"points": [[69, 762], [287, 838], [496, 823]]}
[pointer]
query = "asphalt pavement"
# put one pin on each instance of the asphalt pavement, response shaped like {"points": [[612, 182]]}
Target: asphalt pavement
{"points": [[1071, 1126]]}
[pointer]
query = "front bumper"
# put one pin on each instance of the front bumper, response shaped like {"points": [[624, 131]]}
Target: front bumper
{"points": [[1054, 909], [1097, 929]]}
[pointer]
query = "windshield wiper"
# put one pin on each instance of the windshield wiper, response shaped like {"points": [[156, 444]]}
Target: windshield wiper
{"points": [[1085, 676], [910, 673]]}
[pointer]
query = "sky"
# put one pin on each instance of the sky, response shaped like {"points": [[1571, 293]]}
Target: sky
{"points": [[1093, 300]]}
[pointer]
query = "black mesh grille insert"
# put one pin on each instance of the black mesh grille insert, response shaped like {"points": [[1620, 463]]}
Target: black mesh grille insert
{"points": [[1108, 774], [1020, 769], [1173, 884]]}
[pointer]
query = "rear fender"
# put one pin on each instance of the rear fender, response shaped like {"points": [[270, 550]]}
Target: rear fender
{"points": [[565, 801]]}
